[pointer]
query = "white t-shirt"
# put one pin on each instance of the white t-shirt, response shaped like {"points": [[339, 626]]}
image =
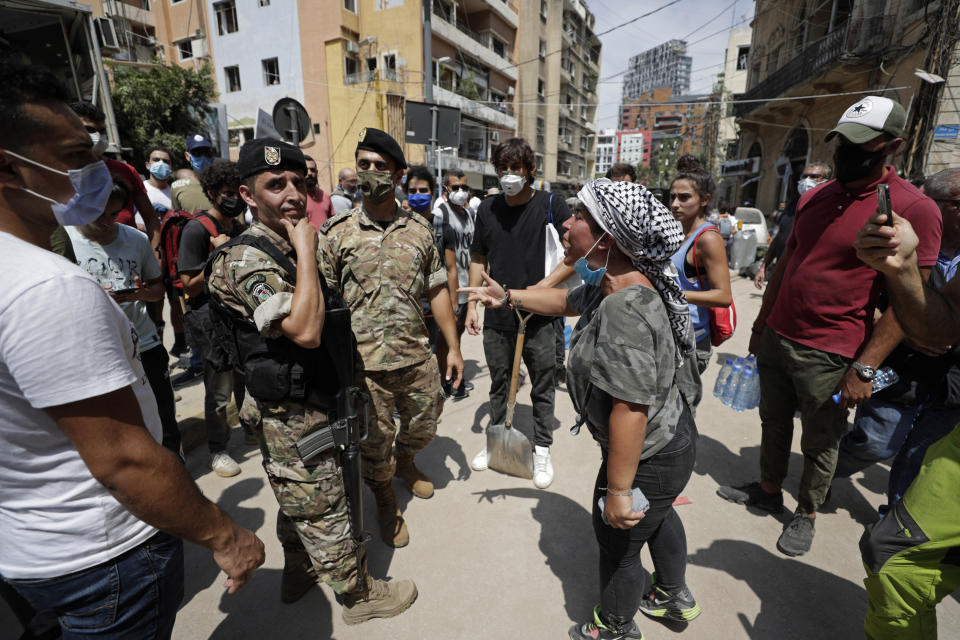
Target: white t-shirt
{"points": [[115, 265], [158, 196], [62, 339]]}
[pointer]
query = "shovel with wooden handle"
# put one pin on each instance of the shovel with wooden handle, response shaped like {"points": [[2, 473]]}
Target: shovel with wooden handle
{"points": [[508, 450]]}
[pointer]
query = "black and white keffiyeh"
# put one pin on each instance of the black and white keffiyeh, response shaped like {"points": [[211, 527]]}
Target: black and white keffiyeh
{"points": [[647, 232]]}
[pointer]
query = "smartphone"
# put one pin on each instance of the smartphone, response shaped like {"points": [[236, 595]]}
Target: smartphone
{"points": [[883, 202], [124, 291]]}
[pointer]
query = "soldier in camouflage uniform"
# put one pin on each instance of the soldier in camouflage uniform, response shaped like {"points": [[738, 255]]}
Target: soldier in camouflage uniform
{"points": [[382, 260], [313, 524]]}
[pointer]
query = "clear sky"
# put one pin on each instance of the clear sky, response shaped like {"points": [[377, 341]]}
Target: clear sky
{"points": [[696, 21]]}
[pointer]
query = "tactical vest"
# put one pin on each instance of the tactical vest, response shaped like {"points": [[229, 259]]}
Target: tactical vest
{"points": [[277, 368]]}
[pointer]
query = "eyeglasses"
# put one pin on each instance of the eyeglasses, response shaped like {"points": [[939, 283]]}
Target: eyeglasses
{"points": [[682, 197], [457, 187], [815, 176], [202, 152], [94, 129], [413, 190]]}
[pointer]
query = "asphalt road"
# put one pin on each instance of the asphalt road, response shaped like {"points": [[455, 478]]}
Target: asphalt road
{"points": [[494, 557]]}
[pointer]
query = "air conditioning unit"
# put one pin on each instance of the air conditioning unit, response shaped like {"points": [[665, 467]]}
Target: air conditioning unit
{"points": [[200, 48], [495, 137], [107, 33], [510, 91], [352, 47]]}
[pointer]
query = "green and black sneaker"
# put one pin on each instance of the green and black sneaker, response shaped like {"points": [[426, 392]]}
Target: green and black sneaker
{"points": [[679, 606], [598, 630]]}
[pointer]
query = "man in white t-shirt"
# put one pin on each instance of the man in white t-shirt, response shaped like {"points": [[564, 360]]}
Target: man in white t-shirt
{"points": [[159, 167], [120, 259], [89, 501]]}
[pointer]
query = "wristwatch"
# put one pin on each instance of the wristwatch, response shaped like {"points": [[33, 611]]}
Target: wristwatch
{"points": [[864, 372]]}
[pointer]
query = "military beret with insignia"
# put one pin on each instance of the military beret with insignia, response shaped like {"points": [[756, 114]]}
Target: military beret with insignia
{"points": [[383, 143], [266, 154]]}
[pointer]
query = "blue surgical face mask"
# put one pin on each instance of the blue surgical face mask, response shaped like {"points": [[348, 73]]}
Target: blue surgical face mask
{"points": [[591, 277], [199, 163], [419, 202], [91, 189], [160, 170]]}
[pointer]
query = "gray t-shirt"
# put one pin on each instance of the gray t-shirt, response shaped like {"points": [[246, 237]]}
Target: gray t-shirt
{"points": [[623, 349]]}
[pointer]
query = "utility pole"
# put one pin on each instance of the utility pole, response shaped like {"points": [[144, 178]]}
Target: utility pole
{"points": [[926, 106], [428, 85]]}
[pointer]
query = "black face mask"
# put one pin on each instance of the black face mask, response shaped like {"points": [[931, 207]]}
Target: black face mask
{"points": [[311, 182], [853, 163], [232, 206]]}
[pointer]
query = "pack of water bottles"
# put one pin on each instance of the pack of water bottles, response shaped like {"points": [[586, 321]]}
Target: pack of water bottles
{"points": [[738, 384]]}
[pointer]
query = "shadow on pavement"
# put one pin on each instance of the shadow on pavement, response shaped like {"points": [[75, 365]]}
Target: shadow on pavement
{"points": [[309, 617], [432, 461], [200, 571], [568, 545], [796, 599]]}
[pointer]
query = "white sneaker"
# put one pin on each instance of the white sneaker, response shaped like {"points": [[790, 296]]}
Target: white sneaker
{"points": [[542, 468], [479, 462], [223, 465]]}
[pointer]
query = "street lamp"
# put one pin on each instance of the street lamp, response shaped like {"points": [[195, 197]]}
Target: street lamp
{"points": [[438, 63]]}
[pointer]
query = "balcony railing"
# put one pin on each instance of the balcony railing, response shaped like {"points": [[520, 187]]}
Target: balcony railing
{"points": [[811, 62]]}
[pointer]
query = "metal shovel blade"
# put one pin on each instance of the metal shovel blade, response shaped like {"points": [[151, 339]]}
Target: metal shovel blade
{"points": [[509, 451]]}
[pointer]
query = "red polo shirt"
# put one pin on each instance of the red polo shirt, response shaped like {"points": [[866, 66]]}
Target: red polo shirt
{"points": [[827, 296], [319, 207], [134, 182]]}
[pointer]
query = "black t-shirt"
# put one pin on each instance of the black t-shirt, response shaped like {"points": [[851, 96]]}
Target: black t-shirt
{"points": [[195, 249], [513, 240]]}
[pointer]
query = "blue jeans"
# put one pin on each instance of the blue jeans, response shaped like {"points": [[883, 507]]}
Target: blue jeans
{"points": [[933, 423], [135, 595], [879, 431]]}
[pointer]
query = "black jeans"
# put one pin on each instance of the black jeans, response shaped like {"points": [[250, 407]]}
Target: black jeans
{"points": [[155, 366], [539, 354], [623, 580]]}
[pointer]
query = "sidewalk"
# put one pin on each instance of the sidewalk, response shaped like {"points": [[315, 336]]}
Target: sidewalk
{"points": [[493, 557]]}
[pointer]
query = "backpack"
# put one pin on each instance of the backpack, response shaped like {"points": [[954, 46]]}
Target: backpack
{"points": [[171, 228]]}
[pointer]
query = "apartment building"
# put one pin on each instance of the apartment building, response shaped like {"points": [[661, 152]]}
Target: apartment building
{"points": [[669, 115], [798, 50], [558, 66], [666, 65], [606, 151], [633, 146], [733, 84]]}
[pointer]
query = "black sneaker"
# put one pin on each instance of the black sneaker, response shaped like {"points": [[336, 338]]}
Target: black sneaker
{"points": [[753, 495], [597, 630], [187, 376], [680, 606], [797, 536]]}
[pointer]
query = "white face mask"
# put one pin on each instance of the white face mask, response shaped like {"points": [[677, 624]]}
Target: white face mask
{"points": [[100, 143], [512, 184], [459, 198], [91, 189], [805, 184]]}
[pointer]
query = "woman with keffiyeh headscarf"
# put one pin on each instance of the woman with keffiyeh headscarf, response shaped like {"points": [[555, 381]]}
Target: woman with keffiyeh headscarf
{"points": [[629, 370]]}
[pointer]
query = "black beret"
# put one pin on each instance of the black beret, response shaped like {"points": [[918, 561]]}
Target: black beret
{"points": [[265, 154], [383, 143]]}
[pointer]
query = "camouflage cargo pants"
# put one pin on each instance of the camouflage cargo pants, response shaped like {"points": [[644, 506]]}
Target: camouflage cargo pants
{"points": [[314, 513], [415, 393]]}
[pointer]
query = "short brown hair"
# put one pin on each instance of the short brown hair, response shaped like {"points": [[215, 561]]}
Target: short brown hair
{"points": [[514, 150], [621, 169]]}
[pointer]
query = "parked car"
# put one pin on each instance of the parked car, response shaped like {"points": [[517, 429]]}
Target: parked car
{"points": [[753, 219]]}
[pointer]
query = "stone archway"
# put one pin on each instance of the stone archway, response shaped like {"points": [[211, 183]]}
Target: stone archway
{"points": [[794, 155]]}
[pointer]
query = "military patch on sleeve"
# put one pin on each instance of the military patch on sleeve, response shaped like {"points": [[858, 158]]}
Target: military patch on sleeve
{"points": [[262, 292]]}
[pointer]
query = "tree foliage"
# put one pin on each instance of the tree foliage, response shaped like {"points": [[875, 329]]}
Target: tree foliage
{"points": [[161, 105]]}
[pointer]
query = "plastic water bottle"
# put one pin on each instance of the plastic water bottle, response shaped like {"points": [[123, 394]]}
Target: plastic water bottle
{"points": [[741, 399], [884, 378], [755, 395], [722, 377], [730, 387], [752, 361]]}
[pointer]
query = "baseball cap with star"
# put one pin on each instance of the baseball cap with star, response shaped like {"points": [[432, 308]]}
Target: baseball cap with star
{"points": [[868, 118]]}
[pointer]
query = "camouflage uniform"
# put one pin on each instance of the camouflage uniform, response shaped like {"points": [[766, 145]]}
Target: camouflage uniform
{"points": [[313, 507], [382, 273]]}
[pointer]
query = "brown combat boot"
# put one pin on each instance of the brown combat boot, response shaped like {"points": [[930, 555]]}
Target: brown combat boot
{"points": [[418, 482], [381, 600], [298, 576], [393, 529]]}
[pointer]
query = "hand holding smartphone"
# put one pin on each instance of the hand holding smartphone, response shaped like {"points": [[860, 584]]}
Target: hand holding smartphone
{"points": [[883, 203]]}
